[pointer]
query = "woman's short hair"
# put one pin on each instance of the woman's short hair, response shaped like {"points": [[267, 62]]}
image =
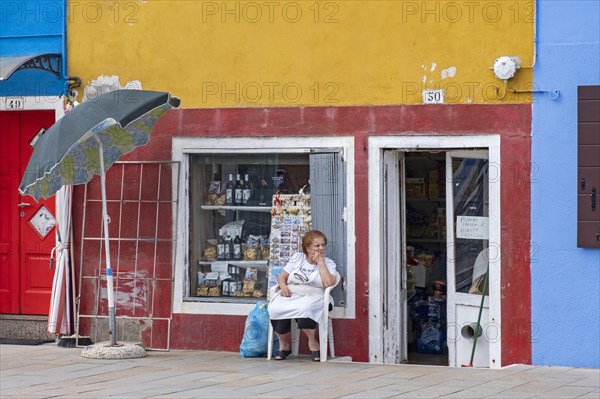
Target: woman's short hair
{"points": [[310, 237]]}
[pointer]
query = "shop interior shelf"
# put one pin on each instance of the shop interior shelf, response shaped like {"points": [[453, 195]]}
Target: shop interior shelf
{"points": [[433, 240], [425, 199]]}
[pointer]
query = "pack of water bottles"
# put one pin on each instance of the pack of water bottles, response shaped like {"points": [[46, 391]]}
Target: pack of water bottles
{"points": [[428, 316]]}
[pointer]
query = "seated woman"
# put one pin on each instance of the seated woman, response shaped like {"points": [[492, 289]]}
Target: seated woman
{"points": [[302, 284]]}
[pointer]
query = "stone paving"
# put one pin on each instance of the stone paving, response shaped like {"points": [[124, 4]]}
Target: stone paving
{"points": [[49, 371]]}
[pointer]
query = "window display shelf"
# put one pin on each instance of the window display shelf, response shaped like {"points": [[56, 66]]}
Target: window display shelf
{"points": [[230, 209], [223, 299], [237, 208], [258, 264]]}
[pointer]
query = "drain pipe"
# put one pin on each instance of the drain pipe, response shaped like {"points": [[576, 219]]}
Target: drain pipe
{"points": [[71, 82], [535, 34], [553, 94]]}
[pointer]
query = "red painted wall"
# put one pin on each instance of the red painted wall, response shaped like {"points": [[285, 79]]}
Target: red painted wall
{"points": [[512, 122]]}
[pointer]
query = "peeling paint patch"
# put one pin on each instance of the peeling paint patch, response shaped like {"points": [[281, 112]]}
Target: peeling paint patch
{"points": [[433, 65], [424, 78], [104, 84], [448, 72]]}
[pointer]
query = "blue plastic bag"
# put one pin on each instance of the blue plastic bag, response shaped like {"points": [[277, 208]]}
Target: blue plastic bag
{"points": [[256, 332]]}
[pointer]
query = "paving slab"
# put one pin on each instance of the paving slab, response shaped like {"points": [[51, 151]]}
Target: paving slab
{"points": [[49, 371]]}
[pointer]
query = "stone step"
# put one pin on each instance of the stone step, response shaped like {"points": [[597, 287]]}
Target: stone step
{"points": [[24, 327]]}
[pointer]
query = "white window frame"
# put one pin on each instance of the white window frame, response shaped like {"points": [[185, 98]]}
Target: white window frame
{"points": [[377, 144], [183, 147]]}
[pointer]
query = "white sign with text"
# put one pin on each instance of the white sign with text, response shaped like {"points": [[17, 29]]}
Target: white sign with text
{"points": [[472, 227]]}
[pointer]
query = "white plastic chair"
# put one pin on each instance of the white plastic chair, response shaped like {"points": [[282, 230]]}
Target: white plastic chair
{"points": [[325, 327]]}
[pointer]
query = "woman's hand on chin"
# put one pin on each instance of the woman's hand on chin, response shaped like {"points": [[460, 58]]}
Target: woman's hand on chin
{"points": [[315, 256]]}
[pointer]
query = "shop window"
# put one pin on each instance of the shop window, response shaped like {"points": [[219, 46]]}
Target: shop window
{"points": [[588, 167], [230, 204]]}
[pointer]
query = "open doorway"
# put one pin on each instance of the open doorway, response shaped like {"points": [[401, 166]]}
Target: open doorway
{"points": [[438, 232], [424, 192]]}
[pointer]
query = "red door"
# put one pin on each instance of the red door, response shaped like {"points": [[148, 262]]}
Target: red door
{"points": [[26, 226]]}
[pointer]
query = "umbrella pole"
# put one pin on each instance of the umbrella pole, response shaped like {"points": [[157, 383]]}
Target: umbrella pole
{"points": [[109, 276]]}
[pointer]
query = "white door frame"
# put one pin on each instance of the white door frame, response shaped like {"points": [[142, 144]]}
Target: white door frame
{"points": [[393, 283], [377, 144]]}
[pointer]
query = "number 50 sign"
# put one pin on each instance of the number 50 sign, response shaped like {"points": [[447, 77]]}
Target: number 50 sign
{"points": [[433, 96]]}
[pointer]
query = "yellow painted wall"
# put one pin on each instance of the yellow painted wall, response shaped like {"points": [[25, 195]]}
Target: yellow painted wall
{"points": [[291, 53]]}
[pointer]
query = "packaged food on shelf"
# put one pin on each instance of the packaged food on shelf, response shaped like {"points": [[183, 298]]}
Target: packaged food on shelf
{"points": [[265, 250], [251, 248], [249, 287], [424, 258], [209, 284], [415, 187], [250, 252], [251, 274], [210, 253], [214, 189], [216, 194]]}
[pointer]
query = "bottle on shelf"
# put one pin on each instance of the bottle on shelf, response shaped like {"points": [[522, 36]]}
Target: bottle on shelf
{"points": [[246, 191], [229, 191], [225, 287], [221, 248], [239, 191], [228, 248], [233, 282], [239, 279], [237, 248]]}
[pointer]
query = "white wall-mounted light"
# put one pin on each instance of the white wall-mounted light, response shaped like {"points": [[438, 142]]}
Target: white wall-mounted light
{"points": [[505, 67]]}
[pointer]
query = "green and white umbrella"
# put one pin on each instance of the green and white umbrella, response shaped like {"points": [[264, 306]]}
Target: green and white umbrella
{"points": [[87, 141]]}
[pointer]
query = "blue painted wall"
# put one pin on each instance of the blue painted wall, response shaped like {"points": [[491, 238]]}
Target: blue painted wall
{"points": [[30, 27], [565, 279]]}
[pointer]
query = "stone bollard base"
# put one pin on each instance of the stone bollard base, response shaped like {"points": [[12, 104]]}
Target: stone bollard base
{"points": [[104, 350]]}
